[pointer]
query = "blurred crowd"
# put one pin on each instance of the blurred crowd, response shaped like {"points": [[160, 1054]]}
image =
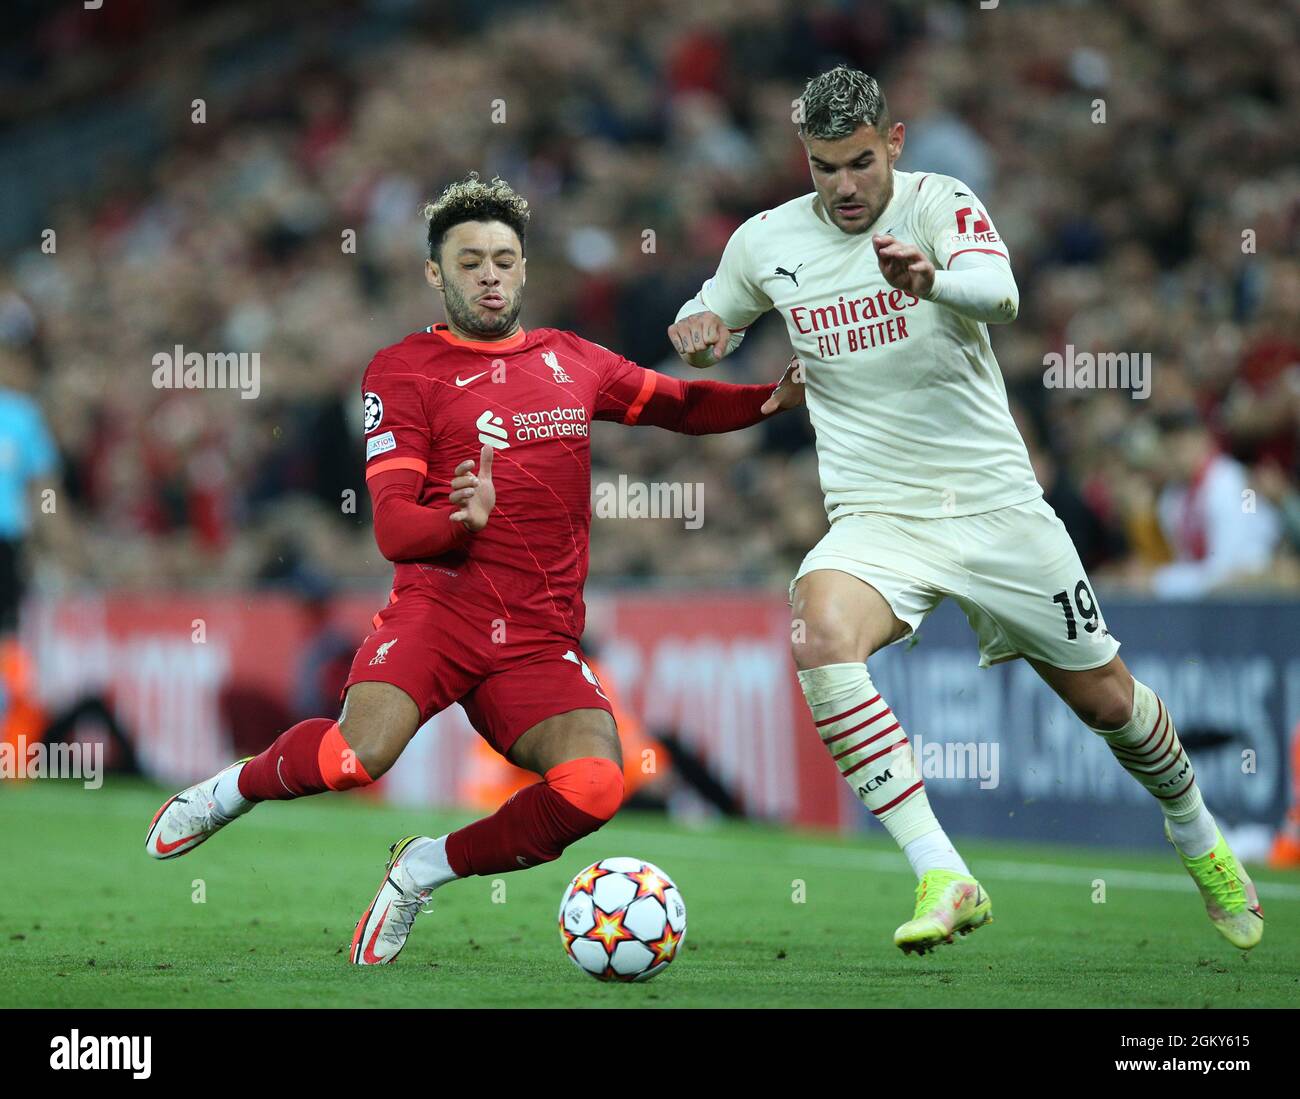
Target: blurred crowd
{"points": [[1140, 163]]}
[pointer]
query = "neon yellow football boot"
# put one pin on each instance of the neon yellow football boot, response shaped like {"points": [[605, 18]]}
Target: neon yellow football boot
{"points": [[946, 903], [1230, 898]]}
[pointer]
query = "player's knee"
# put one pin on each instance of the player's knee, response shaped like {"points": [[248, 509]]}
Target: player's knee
{"points": [[824, 639], [1107, 714], [377, 723], [341, 766], [589, 792], [592, 786], [1109, 705], [371, 749]]}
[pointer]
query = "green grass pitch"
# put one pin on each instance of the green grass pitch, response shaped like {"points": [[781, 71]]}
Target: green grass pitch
{"points": [[88, 920]]}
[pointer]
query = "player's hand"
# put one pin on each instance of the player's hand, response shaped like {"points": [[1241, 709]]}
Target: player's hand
{"points": [[474, 492], [789, 390], [903, 265], [700, 339]]}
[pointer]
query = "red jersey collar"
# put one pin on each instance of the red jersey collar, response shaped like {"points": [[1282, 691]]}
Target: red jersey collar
{"points": [[478, 345]]}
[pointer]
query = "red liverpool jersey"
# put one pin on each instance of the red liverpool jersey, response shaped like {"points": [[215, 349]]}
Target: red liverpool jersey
{"points": [[434, 400]]}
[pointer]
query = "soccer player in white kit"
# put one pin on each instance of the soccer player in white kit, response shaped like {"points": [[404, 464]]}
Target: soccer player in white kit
{"points": [[887, 281]]}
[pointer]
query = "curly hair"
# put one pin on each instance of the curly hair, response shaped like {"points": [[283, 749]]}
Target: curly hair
{"points": [[470, 199], [837, 102]]}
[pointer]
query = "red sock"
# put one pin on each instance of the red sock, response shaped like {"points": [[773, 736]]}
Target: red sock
{"points": [[539, 821], [307, 759]]}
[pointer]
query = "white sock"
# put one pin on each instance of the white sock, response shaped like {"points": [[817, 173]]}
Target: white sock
{"points": [[428, 866], [1196, 836], [934, 851], [230, 801], [868, 745], [1148, 748]]}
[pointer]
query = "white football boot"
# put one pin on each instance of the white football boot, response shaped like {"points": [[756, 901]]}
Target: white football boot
{"points": [[187, 819], [384, 926]]}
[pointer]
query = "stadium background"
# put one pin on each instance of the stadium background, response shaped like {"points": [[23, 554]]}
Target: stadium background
{"points": [[667, 123]]}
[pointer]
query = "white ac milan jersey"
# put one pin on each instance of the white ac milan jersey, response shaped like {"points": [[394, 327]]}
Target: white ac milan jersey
{"points": [[905, 395]]}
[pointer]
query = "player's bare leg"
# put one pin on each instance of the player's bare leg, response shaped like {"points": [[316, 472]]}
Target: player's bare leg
{"points": [[1139, 731], [319, 754], [839, 621], [580, 761]]}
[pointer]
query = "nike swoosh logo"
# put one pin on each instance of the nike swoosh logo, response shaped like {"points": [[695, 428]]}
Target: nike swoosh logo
{"points": [[468, 380], [167, 848], [278, 764], [371, 958]]}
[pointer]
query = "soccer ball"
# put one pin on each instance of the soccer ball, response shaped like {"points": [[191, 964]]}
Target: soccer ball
{"points": [[622, 919]]}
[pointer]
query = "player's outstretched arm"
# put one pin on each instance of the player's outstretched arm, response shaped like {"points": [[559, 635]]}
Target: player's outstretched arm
{"points": [[699, 407], [473, 493]]}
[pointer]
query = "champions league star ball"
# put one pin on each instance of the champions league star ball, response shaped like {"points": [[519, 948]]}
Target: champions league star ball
{"points": [[622, 919]]}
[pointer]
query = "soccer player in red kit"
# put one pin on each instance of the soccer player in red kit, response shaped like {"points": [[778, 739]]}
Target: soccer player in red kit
{"points": [[478, 466]]}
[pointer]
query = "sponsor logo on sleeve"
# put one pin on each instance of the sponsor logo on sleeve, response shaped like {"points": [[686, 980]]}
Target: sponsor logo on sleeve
{"points": [[974, 227], [380, 444], [381, 653]]}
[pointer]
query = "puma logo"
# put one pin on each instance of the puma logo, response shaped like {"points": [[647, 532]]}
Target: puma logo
{"points": [[791, 275]]}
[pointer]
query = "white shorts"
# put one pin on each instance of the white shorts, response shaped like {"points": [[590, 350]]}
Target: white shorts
{"points": [[1014, 571]]}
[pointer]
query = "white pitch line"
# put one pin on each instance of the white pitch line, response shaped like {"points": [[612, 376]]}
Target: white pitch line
{"points": [[884, 862]]}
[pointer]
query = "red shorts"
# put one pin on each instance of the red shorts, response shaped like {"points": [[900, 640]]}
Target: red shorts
{"points": [[507, 675]]}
